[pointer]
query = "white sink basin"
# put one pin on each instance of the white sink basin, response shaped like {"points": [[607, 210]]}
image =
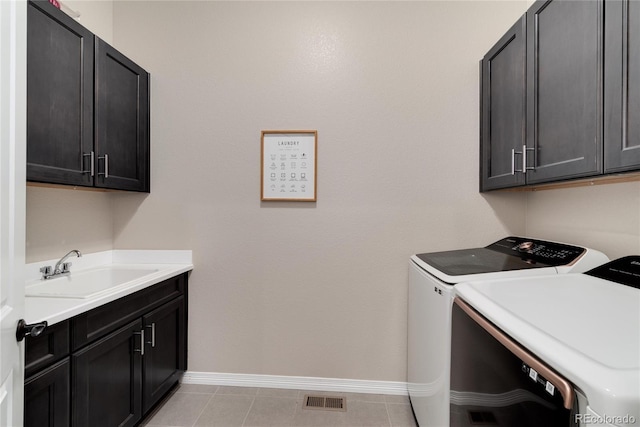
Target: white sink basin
{"points": [[88, 283]]}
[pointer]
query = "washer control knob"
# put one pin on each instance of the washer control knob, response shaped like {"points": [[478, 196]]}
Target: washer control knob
{"points": [[525, 246]]}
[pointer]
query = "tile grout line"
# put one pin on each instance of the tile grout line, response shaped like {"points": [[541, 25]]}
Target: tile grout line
{"points": [[299, 406], [249, 411], [205, 407], [295, 407], [386, 407]]}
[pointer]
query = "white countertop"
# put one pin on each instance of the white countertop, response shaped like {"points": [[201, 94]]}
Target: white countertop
{"points": [[167, 263], [588, 329]]}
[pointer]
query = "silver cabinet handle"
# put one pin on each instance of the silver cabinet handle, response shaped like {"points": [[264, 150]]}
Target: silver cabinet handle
{"points": [[92, 160], [153, 335], [526, 168], [513, 161], [106, 166], [141, 349]]}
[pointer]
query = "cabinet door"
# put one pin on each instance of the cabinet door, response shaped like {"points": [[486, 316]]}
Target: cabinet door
{"points": [[503, 110], [622, 80], [106, 380], [564, 89], [165, 352], [47, 348], [46, 397], [122, 121], [59, 97]]}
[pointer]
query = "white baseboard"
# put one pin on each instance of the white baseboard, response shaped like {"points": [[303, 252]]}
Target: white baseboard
{"points": [[297, 383]]}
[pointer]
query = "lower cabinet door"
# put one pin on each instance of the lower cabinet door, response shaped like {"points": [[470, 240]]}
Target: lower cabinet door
{"points": [[165, 350], [106, 380], [46, 397]]}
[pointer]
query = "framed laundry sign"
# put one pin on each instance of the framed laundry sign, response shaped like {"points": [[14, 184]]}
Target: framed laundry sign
{"points": [[288, 165]]}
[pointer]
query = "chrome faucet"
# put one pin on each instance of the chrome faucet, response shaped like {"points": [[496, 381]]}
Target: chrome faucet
{"points": [[61, 267]]}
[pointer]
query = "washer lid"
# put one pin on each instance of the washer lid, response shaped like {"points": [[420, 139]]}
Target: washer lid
{"points": [[476, 261], [510, 253]]}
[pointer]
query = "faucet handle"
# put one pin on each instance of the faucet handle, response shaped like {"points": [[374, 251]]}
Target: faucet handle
{"points": [[46, 271], [66, 266]]}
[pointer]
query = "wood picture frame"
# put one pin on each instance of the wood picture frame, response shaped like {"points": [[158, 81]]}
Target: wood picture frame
{"points": [[288, 165]]}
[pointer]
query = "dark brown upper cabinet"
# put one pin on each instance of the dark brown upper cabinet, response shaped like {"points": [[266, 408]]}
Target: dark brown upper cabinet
{"points": [[542, 98], [121, 121], [622, 80], [87, 107], [564, 90], [59, 97], [503, 108]]}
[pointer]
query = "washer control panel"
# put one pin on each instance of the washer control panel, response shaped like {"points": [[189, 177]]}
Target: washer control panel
{"points": [[625, 270], [550, 253]]}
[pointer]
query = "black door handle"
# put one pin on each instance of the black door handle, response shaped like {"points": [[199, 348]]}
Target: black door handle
{"points": [[32, 330]]}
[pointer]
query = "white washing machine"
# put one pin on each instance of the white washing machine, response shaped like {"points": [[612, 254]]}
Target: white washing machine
{"points": [[552, 351], [432, 277]]}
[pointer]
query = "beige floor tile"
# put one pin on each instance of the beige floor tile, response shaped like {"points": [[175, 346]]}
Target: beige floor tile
{"points": [[367, 414], [197, 388], [246, 391], [226, 410], [365, 397], [271, 411], [396, 399], [181, 410], [278, 392], [318, 418]]}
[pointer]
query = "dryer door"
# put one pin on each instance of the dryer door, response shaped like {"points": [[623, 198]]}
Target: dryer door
{"points": [[495, 381]]}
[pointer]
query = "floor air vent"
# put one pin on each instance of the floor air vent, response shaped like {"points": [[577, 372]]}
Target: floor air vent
{"points": [[325, 403]]}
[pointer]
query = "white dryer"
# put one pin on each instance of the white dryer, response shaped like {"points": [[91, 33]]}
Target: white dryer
{"points": [[553, 351], [432, 277]]}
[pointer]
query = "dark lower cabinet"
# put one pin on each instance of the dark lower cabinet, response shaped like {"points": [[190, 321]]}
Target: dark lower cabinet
{"points": [[111, 365], [164, 358], [47, 397], [49, 347], [107, 380]]}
